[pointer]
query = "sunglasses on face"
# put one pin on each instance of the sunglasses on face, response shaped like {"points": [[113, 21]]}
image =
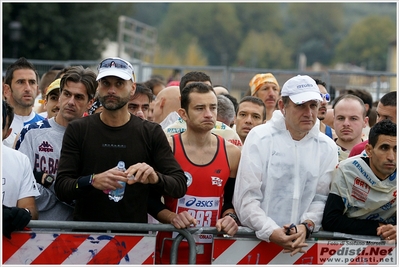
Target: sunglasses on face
{"points": [[325, 96], [116, 63]]}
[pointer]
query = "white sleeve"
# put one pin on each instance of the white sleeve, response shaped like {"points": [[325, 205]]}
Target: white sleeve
{"points": [[28, 183], [248, 195], [316, 208], [26, 148]]}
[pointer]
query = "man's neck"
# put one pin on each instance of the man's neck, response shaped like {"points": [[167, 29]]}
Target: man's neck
{"points": [[322, 127], [297, 136], [197, 139], [347, 146], [60, 120], [269, 113], [22, 111], [115, 118]]}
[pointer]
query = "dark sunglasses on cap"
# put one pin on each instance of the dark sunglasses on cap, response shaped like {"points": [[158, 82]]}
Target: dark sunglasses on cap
{"points": [[325, 96], [114, 62]]}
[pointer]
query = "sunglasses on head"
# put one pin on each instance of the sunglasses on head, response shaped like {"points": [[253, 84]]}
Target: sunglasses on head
{"points": [[325, 96], [116, 63]]}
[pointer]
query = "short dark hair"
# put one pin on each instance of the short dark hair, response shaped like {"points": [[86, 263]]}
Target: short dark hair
{"points": [[193, 76], [46, 79], [286, 100], [255, 100], [85, 76], [197, 87], [389, 99], [384, 127], [318, 81], [232, 99], [8, 111], [142, 89], [62, 72], [151, 83], [21, 63]]}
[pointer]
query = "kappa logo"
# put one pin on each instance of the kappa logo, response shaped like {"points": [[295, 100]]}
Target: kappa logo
{"points": [[216, 181], [46, 147]]}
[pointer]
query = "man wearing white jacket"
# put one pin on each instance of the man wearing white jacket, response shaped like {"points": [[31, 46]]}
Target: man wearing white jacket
{"points": [[285, 170]]}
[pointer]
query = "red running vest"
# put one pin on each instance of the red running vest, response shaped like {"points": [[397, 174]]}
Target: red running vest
{"points": [[203, 200]]}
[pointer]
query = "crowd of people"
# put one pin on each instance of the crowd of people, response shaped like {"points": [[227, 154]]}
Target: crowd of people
{"points": [[283, 161]]}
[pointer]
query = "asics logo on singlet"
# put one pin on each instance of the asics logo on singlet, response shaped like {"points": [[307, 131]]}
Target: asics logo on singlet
{"points": [[46, 147], [191, 202], [200, 203]]}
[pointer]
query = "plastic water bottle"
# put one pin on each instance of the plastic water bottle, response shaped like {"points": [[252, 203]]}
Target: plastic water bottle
{"points": [[118, 193]]}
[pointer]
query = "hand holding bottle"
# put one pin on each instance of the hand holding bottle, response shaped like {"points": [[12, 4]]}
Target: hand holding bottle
{"points": [[142, 173]]}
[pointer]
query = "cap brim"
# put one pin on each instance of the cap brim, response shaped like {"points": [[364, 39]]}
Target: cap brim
{"points": [[113, 72], [54, 90], [305, 97]]}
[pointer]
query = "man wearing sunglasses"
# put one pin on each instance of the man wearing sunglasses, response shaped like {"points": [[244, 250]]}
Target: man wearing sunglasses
{"points": [[321, 115], [93, 145]]}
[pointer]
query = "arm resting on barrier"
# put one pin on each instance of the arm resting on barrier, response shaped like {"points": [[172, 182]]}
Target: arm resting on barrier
{"points": [[335, 220]]}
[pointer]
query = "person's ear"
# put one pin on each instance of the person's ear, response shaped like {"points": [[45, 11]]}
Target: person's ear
{"points": [[6, 90], [368, 149], [182, 113], [89, 104], [366, 121], [281, 106], [162, 102]]}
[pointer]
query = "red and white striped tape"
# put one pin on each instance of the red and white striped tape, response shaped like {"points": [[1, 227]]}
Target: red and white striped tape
{"points": [[70, 248], [334, 252]]}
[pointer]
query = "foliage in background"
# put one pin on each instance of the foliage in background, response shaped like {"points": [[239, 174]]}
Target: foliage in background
{"points": [[62, 31], [367, 43], [266, 35], [312, 29], [264, 50], [214, 26]]}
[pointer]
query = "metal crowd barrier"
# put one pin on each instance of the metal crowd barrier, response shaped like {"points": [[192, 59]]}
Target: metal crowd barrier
{"points": [[128, 229]]}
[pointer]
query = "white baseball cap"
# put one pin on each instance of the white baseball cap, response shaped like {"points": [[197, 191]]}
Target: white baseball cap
{"points": [[301, 89], [115, 66]]}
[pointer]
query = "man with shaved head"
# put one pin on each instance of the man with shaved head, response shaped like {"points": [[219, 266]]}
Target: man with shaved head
{"points": [[166, 104]]}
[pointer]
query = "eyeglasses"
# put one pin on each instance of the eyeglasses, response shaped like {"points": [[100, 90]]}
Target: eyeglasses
{"points": [[325, 96], [114, 62]]}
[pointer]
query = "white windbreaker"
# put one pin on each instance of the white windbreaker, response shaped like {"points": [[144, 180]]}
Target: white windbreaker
{"points": [[283, 181]]}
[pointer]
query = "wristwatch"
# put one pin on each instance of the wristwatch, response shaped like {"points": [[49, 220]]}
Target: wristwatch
{"points": [[48, 180], [232, 215], [28, 211], [309, 228]]}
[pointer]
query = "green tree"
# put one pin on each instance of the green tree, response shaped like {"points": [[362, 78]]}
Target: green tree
{"points": [[367, 43], [260, 17], [214, 25], [264, 50], [62, 31], [314, 29]]}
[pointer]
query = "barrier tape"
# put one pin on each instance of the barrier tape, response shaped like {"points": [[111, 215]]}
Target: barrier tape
{"points": [[78, 248], [96, 248], [332, 252]]}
